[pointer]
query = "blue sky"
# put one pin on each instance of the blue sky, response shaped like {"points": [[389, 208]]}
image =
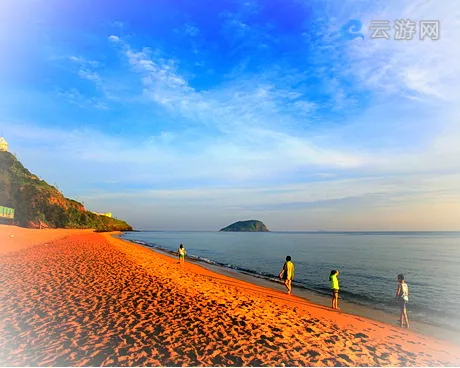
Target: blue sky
{"points": [[192, 115]]}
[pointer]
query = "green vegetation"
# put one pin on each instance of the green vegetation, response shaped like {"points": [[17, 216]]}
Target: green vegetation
{"points": [[38, 204], [249, 225]]}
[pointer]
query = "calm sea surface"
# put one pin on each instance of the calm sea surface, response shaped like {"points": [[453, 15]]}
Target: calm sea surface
{"points": [[368, 263]]}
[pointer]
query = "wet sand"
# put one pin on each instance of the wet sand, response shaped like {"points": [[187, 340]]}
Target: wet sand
{"points": [[91, 299], [346, 306]]}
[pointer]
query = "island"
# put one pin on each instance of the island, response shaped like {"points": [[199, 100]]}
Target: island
{"points": [[248, 225]]}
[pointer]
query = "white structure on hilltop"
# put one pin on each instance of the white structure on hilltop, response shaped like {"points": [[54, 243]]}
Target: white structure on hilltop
{"points": [[3, 144]]}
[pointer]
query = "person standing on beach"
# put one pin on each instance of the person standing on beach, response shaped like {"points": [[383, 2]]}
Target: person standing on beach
{"points": [[287, 274], [335, 288], [181, 252], [402, 294]]}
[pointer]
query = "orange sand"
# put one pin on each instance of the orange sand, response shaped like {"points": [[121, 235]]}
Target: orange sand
{"points": [[14, 238], [90, 299]]}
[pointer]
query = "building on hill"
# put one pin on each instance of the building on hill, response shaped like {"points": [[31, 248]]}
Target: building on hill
{"points": [[109, 214], [3, 144]]}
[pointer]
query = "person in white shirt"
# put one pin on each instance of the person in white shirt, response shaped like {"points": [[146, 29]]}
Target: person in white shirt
{"points": [[402, 295], [181, 252]]}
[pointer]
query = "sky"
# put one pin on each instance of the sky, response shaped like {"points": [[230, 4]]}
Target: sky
{"points": [[191, 115]]}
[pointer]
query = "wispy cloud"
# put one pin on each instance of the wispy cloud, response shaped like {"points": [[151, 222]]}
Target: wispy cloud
{"points": [[402, 67], [91, 70], [380, 203], [89, 75], [191, 30], [245, 111], [75, 97], [114, 38], [118, 24], [248, 111], [83, 61]]}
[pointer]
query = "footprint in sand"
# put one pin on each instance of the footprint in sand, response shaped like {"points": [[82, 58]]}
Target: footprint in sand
{"points": [[371, 348], [313, 353], [345, 357]]}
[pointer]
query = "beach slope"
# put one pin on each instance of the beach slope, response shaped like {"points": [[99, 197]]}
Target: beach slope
{"points": [[90, 299]]}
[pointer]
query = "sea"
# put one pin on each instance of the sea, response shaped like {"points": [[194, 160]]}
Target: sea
{"points": [[369, 263]]}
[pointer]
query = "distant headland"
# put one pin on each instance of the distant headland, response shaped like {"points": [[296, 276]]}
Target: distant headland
{"points": [[28, 201], [249, 225]]}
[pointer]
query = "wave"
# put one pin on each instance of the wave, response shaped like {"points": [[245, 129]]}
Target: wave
{"points": [[384, 304]]}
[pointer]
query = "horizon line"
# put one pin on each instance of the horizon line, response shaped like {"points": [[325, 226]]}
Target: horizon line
{"points": [[310, 231]]}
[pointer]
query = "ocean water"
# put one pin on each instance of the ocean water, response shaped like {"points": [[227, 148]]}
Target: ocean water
{"points": [[368, 263]]}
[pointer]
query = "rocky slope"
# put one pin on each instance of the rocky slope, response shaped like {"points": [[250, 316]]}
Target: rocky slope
{"points": [[38, 204]]}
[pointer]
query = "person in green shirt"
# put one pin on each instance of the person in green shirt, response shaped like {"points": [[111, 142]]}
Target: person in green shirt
{"points": [[287, 274], [181, 252], [335, 288]]}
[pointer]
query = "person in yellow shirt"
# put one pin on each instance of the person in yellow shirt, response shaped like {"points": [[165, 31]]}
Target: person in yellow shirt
{"points": [[287, 274], [181, 252], [335, 288]]}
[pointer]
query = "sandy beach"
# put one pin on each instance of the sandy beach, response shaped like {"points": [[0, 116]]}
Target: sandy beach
{"points": [[74, 297]]}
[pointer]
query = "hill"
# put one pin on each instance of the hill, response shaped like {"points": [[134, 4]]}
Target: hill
{"points": [[38, 204], [249, 225]]}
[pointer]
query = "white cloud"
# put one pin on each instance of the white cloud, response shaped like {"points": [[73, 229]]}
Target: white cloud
{"points": [[427, 67], [264, 129], [75, 97], [76, 59], [118, 24], [344, 204], [391, 189], [83, 61], [87, 71], [89, 75], [114, 38], [305, 107], [191, 30], [254, 114]]}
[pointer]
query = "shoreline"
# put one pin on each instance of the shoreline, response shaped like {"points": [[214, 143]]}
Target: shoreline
{"points": [[92, 299], [348, 307]]}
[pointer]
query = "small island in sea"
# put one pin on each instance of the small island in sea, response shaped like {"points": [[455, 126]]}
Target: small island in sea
{"points": [[248, 225]]}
